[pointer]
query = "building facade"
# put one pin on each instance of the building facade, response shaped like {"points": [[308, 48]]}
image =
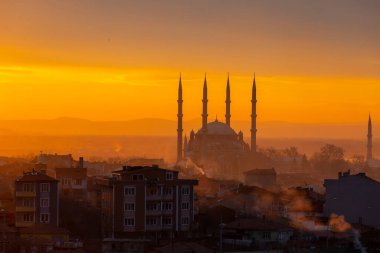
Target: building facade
{"points": [[37, 199], [144, 201], [73, 181], [354, 196]]}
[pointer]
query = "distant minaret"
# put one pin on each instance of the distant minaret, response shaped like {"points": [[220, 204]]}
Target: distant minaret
{"points": [[369, 139], [253, 117], [204, 112], [179, 116], [228, 102]]}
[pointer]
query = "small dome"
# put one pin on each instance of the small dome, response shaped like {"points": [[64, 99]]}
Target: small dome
{"points": [[218, 128]]}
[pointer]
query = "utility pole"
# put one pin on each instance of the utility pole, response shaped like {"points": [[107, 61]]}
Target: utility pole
{"points": [[221, 226]]}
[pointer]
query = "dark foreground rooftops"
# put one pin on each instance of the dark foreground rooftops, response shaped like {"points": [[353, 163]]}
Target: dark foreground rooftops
{"points": [[257, 224]]}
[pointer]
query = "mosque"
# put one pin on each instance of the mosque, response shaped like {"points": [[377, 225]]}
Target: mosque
{"points": [[216, 147]]}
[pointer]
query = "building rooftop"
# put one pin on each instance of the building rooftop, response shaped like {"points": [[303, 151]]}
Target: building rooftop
{"points": [[127, 169], [271, 171], [218, 128], [34, 175]]}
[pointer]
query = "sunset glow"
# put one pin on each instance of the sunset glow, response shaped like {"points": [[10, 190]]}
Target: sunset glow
{"points": [[54, 63]]}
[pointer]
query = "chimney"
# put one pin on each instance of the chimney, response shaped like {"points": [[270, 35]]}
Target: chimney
{"points": [[81, 162], [124, 167]]}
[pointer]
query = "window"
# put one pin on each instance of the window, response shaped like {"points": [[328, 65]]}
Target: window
{"points": [[154, 191], [282, 236], [78, 182], [185, 205], [185, 220], [169, 175], [28, 202], [266, 235], [129, 206], [151, 221], [44, 202], [152, 206], [168, 206], [28, 217], [166, 220], [185, 190], [66, 181], [45, 187], [130, 222], [28, 187], [168, 191], [130, 190], [138, 177], [44, 218]]}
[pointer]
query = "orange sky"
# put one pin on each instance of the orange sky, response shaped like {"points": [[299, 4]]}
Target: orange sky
{"points": [[315, 61]]}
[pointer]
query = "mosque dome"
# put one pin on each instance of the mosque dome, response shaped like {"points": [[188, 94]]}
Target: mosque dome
{"points": [[218, 128]]}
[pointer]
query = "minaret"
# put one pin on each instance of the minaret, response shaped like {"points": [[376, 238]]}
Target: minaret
{"points": [[185, 143], [179, 116], [253, 117], [204, 112], [369, 139], [228, 102]]}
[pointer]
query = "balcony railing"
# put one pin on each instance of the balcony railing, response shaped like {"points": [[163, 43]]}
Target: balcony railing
{"points": [[154, 197], [24, 224], [25, 194], [25, 208], [154, 212]]}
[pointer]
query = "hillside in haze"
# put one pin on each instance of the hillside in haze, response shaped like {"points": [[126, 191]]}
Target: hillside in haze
{"points": [[162, 127]]}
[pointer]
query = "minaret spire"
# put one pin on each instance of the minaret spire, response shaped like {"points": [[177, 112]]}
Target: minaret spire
{"points": [[179, 116], [253, 117], [369, 139], [204, 101], [228, 102]]}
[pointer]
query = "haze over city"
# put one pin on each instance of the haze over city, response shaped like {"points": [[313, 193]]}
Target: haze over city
{"points": [[189, 126]]}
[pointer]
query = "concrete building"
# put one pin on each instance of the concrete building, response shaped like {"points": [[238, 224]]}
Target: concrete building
{"points": [[53, 161], [37, 199], [146, 202], [354, 196], [73, 181]]}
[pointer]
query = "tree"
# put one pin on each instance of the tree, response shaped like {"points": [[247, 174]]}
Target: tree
{"points": [[358, 162], [292, 153], [330, 160]]}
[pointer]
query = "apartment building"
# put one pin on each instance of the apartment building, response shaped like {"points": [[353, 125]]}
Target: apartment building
{"points": [[147, 200], [73, 181], [37, 201]]}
